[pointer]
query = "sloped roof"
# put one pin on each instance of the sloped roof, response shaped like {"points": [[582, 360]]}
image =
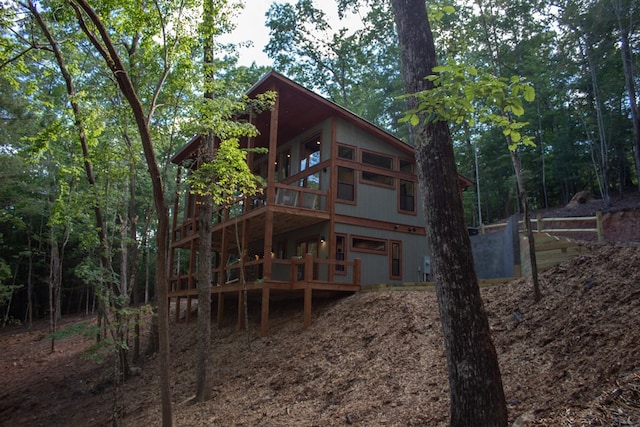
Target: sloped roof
{"points": [[299, 109]]}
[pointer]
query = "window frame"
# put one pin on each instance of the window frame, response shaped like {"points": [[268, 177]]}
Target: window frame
{"points": [[369, 251]]}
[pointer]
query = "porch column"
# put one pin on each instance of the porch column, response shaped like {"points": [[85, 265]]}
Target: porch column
{"points": [[271, 186]]}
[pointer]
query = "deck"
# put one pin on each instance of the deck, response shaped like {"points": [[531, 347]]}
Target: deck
{"points": [[306, 274]]}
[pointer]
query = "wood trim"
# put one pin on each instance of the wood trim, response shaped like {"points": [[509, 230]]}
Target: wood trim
{"points": [[368, 251], [380, 225]]}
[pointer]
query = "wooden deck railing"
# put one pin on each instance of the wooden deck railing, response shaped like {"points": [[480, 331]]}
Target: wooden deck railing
{"points": [[294, 272], [286, 195], [541, 224]]}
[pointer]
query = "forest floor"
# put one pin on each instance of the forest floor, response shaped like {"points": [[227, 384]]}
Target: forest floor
{"points": [[369, 359]]}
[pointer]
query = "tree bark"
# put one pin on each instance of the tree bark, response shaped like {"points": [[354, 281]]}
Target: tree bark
{"points": [[477, 397]]}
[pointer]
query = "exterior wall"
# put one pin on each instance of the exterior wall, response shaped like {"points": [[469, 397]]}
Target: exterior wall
{"points": [[375, 201], [375, 267]]}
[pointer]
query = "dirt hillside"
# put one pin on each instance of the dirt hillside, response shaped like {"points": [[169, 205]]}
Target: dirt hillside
{"points": [[371, 359]]}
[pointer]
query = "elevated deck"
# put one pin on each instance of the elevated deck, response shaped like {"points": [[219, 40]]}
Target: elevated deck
{"points": [[295, 275]]}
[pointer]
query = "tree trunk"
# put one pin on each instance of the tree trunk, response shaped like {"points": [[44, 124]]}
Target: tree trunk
{"points": [[110, 54], [205, 217], [477, 397], [522, 195]]}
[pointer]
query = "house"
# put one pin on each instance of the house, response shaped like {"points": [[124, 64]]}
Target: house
{"points": [[339, 211]]}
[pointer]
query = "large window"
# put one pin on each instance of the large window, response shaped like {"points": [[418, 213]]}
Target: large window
{"points": [[310, 153], [346, 184], [407, 196]]}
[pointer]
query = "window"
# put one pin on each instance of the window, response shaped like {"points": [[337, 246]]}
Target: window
{"points": [[340, 253], [407, 196], [346, 152], [395, 270], [346, 184], [406, 166], [377, 160], [310, 181], [365, 244], [310, 153], [377, 178], [283, 165]]}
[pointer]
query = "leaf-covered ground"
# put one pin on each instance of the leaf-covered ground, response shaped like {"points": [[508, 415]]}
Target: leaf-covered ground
{"points": [[370, 359]]}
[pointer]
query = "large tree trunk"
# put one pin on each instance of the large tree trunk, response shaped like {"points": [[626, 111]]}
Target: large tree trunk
{"points": [[205, 215], [477, 397]]}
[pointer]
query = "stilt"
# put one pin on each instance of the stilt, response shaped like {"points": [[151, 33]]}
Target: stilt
{"points": [[177, 309], [220, 314], [308, 293], [264, 320], [241, 324]]}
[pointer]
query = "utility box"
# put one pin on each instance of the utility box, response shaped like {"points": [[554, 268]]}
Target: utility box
{"points": [[426, 268]]}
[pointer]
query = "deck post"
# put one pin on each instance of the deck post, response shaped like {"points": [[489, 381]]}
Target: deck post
{"points": [[220, 313], [177, 308], [539, 224], [308, 297], [308, 268], [599, 226], [188, 313], [264, 320], [357, 274], [241, 324]]}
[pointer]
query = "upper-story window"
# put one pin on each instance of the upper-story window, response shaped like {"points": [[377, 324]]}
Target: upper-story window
{"points": [[377, 160], [310, 153], [406, 165], [407, 196], [345, 152], [283, 165]]}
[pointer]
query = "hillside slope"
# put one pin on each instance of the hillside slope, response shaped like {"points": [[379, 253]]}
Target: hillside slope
{"points": [[378, 359], [371, 359]]}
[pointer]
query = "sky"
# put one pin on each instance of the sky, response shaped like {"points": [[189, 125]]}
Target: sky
{"points": [[251, 27]]}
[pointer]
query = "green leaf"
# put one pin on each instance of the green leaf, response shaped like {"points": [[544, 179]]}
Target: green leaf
{"points": [[518, 110], [414, 120], [529, 93]]}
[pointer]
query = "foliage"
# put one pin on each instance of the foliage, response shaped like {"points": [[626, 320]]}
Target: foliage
{"points": [[461, 94]]}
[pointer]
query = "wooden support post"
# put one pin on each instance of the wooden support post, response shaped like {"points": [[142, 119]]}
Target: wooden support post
{"points": [[264, 320], [308, 297], [177, 309], [599, 226], [220, 314], [241, 324], [357, 274], [308, 268], [539, 223], [188, 314]]}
